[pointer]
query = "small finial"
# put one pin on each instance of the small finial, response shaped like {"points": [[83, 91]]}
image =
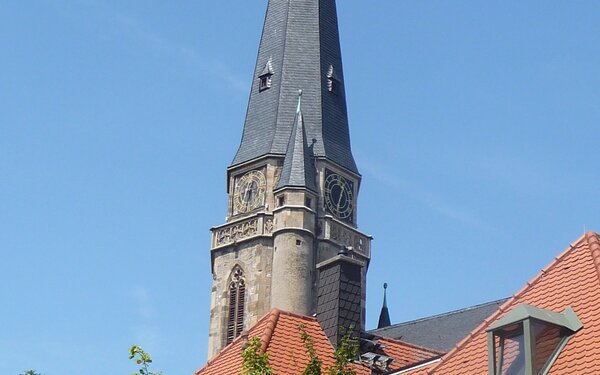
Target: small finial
{"points": [[384, 285], [299, 101]]}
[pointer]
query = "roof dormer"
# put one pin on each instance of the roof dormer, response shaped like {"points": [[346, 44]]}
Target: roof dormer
{"points": [[528, 340], [265, 77]]}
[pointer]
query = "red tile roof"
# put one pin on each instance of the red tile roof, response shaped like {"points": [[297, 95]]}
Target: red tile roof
{"points": [[406, 354], [572, 279], [280, 337]]}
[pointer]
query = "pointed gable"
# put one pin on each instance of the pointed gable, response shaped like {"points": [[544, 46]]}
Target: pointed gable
{"points": [[571, 280]]}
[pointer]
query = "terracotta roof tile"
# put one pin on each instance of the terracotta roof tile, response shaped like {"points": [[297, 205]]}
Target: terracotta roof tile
{"points": [[405, 354], [229, 359], [279, 333], [572, 279]]}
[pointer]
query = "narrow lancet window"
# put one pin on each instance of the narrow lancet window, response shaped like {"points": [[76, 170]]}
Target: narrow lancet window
{"points": [[237, 294]]}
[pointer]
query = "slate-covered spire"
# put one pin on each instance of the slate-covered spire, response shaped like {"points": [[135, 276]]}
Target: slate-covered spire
{"points": [[298, 168], [301, 48], [384, 316]]}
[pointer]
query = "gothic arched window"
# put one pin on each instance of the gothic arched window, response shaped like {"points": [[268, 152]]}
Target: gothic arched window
{"points": [[237, 293]]}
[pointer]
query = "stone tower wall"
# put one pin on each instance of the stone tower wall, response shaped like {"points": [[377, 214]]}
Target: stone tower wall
{"points": [[255, 257], [294, 256]]}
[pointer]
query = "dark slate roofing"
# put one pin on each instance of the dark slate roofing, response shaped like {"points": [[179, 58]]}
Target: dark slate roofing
{"points": [[301, 40], [298, 168], [384, 316], [441, 332], [339, 297]]}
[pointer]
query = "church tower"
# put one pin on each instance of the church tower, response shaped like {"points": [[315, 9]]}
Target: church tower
{"points": [[293, 184]]}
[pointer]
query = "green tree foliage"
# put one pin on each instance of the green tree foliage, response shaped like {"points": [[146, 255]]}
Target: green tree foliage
{"points": [[346, 352], [143, 359], [314, 363], [253, 361], [30, 372]]}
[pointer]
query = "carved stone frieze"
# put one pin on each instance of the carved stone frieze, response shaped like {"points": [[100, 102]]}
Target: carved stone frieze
{"points": [[241, 230], [237, 232]]}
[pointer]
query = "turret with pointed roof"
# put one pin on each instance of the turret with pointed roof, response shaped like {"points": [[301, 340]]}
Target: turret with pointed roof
{"points": [[298, 167], [384, 315]]}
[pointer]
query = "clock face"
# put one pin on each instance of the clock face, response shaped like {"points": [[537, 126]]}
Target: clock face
{"points": [[249, 192], [339, 196]]}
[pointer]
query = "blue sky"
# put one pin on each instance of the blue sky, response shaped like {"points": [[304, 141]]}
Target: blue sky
{"points": [[474, 124]]}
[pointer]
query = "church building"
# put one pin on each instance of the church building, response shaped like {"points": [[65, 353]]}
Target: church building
{"points": [[290, 253]]}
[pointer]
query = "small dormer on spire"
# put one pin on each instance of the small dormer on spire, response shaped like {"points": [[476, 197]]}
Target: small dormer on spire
{"points": [[298, 167], [384, 316], [333, 80], [265, 76]]}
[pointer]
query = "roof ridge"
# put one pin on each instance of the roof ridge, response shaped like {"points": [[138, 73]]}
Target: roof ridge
{"points": [[273, 317], [279, 94], [593, 241], [508, 303], [280, 86], [240, 337], [296, 315], [265, 339], [452, 312]]}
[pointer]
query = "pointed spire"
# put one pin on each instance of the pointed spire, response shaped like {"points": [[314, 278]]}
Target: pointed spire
{"points": [[300, 47], [384, 316], [298, 169]]}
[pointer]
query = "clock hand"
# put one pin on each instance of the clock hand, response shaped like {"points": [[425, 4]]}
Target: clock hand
{"points": [[250, 196], [339, 204], [246, 196], [255, 193]]}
